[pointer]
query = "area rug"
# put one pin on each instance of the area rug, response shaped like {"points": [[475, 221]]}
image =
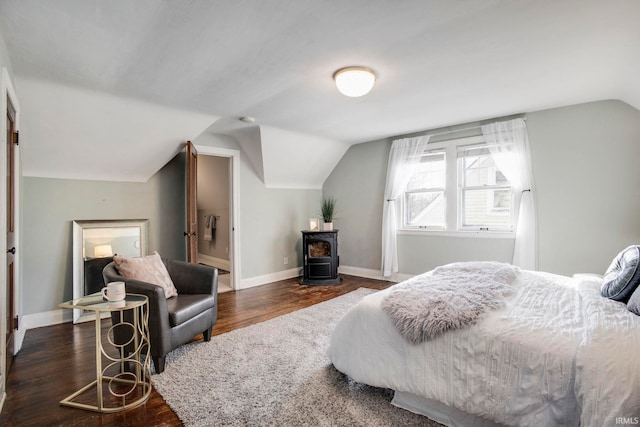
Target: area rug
{"points": [[276, 373]]}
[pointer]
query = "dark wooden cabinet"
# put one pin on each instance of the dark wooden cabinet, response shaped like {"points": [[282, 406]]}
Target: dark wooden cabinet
{"points": [[320, 258]]}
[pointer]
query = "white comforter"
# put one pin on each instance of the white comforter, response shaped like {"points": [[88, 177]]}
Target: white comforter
{"points": [[557, 354]]}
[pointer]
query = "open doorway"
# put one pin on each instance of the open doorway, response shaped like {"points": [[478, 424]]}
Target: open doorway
{"points": [[217, 208], [214, 216]]}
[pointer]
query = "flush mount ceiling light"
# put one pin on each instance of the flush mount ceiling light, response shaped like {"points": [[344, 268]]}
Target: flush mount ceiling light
{"points": [[354, 81]]}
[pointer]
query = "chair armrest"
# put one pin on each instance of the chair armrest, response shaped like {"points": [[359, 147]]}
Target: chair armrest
{"points": [[157, 300], [193, 278], [158, 311], [160, 333]]}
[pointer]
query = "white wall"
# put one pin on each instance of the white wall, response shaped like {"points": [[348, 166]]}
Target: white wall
{"points": [[76, 133], [4, 58], [296, 160]]}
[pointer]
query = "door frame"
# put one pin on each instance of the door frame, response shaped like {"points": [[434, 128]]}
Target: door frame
{"points": [[8, 92], [234, 232], [191, 233]]}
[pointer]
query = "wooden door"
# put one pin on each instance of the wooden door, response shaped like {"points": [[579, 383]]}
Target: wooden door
{"points": [[11, 320], [192, 204]]}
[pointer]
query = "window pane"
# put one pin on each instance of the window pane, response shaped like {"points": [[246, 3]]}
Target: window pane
{"points": [[425, 209], [487, 208], [501, 200], [481, 170], [429, 173]]}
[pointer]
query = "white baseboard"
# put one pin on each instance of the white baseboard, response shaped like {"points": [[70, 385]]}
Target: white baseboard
{"points": [[56, 317], [297, 272], [372, 274], [269, 278], [47, 318], [19, 338], [223, 264]]}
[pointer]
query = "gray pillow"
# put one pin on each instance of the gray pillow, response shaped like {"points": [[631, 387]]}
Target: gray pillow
{"points": [[634, 302], [623, 275]]}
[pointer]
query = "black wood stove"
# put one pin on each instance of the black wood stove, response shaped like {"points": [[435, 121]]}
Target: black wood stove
{"points": [[320, 258]]}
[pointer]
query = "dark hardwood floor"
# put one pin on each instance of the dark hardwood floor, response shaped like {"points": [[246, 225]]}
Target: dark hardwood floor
{"points": [[57, 360]]}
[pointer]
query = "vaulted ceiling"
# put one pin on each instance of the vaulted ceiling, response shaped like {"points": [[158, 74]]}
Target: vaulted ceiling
{"points": [[438, 62]]}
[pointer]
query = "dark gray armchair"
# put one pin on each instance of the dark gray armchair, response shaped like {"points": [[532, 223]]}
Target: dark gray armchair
{"points": [[174, 321]]}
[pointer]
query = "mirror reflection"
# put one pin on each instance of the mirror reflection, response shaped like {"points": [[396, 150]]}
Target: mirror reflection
{"points": [[95, 244]]}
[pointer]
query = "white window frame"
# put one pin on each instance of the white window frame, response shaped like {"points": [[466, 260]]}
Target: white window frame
{"points": [[453, 199], [491, 201], [462, 187], [405, 196]]}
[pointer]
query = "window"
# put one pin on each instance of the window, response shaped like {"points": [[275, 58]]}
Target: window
{"points": [[424, 198], [485, 193], [458, 186]]}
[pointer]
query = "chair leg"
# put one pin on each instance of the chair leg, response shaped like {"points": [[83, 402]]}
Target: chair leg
{"points": [[207, 335], [158, 363]]}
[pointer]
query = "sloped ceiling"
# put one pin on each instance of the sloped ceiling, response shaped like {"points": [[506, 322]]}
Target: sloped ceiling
{"points": [[439, 62], [75, 133], [281, 158]]}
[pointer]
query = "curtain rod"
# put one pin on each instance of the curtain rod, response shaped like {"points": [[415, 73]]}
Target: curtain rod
{"points": [[453, 131], [459, 130]]}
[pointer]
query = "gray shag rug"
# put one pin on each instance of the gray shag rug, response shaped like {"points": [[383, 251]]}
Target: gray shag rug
{"points": [[276, 373]]}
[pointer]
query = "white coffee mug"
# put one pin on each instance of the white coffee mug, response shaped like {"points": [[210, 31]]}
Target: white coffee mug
{"points": [[114, 291]]}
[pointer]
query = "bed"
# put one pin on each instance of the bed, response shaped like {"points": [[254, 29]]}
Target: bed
{"points": [[556, 353]]}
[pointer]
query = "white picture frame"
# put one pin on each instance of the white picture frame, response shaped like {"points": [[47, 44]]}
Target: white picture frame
{"points": [[314, 224]]}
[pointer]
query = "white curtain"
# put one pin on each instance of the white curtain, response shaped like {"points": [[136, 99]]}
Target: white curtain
{"points": [[509, 146], [403, 158]]}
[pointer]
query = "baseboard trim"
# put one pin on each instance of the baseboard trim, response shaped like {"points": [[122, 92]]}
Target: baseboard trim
{"points": [[343, 269], [223, 264], [47, 318], [372, 274], [55, 317], [269, 278], [19, 338]]}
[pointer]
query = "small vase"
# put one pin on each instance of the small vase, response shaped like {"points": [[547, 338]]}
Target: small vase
{"points": [[327, 226]]}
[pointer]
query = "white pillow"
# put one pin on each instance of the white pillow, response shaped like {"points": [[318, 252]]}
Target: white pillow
{"points": [[148, 269]]}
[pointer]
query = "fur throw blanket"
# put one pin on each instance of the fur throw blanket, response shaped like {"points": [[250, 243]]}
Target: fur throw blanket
{"points": [[449, 297]]}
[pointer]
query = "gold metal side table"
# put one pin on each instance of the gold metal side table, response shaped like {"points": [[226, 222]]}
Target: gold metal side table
{"points": [[123, 378]]}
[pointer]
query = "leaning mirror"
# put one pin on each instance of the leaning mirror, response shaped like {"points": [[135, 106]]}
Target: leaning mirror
{"points": [[95, 242]]}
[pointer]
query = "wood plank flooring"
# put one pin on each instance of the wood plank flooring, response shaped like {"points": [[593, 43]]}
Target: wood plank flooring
{"points": [[57, 360]]}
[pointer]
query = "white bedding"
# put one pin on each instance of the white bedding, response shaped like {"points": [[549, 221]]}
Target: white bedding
{"points": [[558, 354]]}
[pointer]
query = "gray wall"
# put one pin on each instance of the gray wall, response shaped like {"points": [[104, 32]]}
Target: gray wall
{"points": [[585, 162], [357, 183], [270, 219], [50, 206], [270, 223], [587, 189]]}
